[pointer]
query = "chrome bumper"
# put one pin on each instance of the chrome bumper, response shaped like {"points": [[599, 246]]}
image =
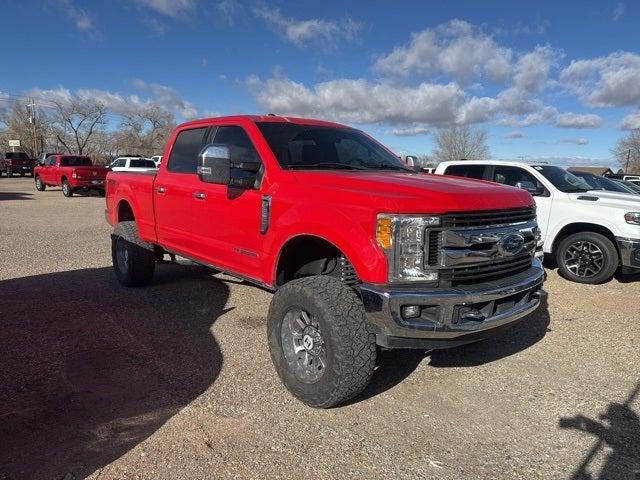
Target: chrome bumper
{"points": [[451, 316]]}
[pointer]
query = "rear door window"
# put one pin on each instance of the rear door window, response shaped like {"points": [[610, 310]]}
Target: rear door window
{"points": [[469, 171], [184, 154]]}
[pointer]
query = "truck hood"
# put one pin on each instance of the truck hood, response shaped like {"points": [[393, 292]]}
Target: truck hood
{"points": [[408, 192], [609, 199]]}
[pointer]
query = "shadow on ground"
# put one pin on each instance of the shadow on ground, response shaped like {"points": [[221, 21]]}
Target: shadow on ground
{"points": [[617, 434], [90, 369], [15, 196], [396, 365]]}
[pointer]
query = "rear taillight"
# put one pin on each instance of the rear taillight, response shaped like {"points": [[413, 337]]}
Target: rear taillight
{"points": [[74, 175]]}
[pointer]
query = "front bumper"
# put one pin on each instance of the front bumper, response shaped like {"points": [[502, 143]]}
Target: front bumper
{"points": [[451, 316], [629, 252]]}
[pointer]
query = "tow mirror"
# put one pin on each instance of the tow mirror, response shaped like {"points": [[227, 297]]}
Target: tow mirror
{"points": [[218, 165], [527, 187], [214, 164], [412, 162]]}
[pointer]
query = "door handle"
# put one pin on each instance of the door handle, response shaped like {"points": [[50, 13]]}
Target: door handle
{"points": [[199, 195], [160, 189]]}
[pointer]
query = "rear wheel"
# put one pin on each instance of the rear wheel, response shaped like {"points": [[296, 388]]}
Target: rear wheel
{"points": [[320, 342], [134, 261], [40, 186], [67, 190], [587, 257]]}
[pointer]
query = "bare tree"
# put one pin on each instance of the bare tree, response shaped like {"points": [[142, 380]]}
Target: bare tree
{"points": [[76, 121], [21, 125], [146, 130], [460, 143], [627, 152]]}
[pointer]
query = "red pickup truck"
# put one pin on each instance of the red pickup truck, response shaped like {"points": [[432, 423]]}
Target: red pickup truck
{"points": [[16, 162], [361, 251], [71, 172]]}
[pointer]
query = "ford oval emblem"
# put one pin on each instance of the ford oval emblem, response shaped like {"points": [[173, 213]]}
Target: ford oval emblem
{"points": [[511, 244]]}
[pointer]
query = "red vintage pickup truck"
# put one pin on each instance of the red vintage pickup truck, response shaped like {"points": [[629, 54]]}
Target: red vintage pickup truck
{"points": [[71, 172], [16, 162], [361, 251]]}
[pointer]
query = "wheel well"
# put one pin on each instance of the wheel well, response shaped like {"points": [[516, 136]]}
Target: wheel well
{"points": [[62, 179], [582, 227], [125, 212], [308, 255]]}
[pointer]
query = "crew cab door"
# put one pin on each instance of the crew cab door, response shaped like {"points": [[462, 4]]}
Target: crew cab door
{"points": [[47, 172], [228, 217], [175, 207]]}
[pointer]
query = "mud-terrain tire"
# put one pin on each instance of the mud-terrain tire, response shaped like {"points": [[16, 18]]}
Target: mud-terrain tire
{"points": [[67, 189], [342, 344], [134, 261], [587, 257], [40, 186]]}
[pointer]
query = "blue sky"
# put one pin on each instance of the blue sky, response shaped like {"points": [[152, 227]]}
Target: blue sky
{"points": [[545, 79]]}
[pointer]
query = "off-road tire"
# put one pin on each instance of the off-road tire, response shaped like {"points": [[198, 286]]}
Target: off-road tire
{"points": [[350, 344], [40, 186], [138, 268], [610, 257], [67, 190]]}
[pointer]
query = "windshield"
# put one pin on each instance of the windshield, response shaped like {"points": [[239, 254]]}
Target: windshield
{"points": [[602, 183], [16, 156], [563, 180], [313, 147], [75, 161]]}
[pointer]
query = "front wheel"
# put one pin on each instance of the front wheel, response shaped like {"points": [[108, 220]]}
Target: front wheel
{"points": [[134, 261], [587, 257], [67, 190], [320, 342], [40, 186]]}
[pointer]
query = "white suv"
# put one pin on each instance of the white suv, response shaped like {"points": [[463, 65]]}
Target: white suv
{"points": [[590, 233], [133, 164]]}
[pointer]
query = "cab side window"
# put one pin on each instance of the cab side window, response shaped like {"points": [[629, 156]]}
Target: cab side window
{"points": [[469, 171], [186, 147], [512, 175], [50, 160]]}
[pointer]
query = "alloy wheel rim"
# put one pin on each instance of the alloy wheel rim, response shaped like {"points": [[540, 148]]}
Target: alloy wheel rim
{"points": [[584, 259], [303, 345]]}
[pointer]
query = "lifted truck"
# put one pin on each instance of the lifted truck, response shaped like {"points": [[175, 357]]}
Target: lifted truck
{"points": [[71, 172], [361, 251]]}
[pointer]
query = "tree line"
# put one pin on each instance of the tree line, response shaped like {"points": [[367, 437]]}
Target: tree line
{"points": [[86, 127]]}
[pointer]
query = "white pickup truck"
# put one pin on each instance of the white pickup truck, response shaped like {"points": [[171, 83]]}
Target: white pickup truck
{"points": [[591, 233]]}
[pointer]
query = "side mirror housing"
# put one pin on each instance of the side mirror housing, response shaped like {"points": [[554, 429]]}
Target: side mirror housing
{"points": [[214, 164], [412, 162], [527, 187]]}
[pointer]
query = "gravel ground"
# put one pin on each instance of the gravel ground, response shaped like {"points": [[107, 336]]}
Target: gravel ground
{"points": [[175, 381]]}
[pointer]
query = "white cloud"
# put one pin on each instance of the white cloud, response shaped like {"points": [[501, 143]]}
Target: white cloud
{"points": [[618, 11], [169, 8], [532, 69], [631, 122], [575, 141], [161, 96], [410, 131], [514, 134], [608, 81], [360, 101], [301, 32], [578, 120], [79, 16], [455, 48]]}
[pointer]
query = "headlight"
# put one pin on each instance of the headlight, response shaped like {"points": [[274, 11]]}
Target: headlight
{"points": [[632, 217], [402, 237]]}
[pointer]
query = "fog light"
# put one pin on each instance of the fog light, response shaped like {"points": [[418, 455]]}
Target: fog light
{"points": [[410, 311]]}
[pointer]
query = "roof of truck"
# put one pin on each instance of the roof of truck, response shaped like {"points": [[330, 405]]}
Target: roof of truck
{"points": [[266, 118]]}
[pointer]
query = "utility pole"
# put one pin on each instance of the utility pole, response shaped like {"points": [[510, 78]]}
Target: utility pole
{"points": [[626, 168], [32, 120]]}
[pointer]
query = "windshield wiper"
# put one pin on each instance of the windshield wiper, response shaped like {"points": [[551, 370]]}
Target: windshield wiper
{"points": [[389, 166], [331, 165]]}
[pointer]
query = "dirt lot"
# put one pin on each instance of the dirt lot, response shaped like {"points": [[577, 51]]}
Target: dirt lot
{"points": [[175, 381]]}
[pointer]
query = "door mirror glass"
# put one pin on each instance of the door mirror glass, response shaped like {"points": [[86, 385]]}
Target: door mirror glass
{"points": [[527, 186], [214, 164]]}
